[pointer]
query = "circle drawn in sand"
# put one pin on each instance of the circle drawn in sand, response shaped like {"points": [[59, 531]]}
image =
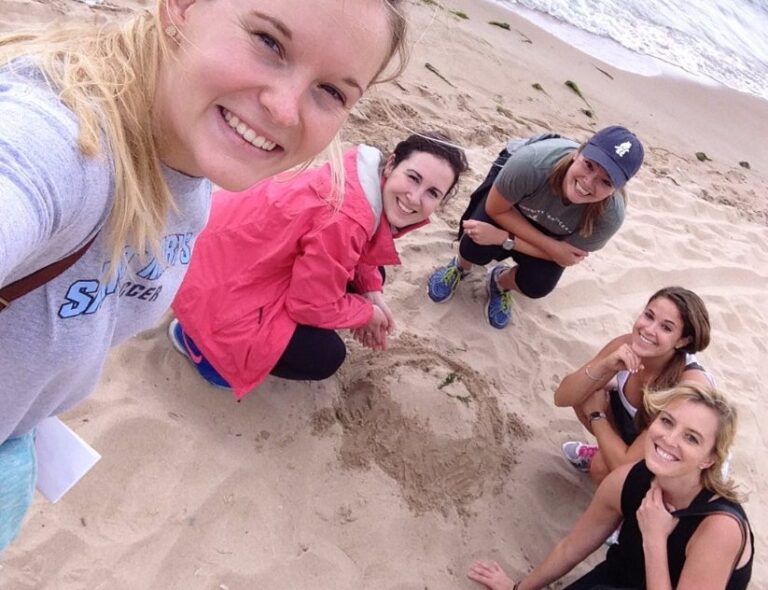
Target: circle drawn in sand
{"points": [[436, 467]]}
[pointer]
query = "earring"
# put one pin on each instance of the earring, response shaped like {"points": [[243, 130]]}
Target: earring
{"points": [[171, 31]]}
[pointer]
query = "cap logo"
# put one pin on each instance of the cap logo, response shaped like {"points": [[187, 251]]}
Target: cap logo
{"points": [[623, 148]]}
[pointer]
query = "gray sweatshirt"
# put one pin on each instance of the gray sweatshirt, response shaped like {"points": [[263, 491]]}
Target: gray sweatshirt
{"points": [[54, 340]]}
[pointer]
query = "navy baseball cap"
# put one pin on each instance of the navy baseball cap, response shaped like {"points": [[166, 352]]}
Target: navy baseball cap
{"points": [[618, 151]]}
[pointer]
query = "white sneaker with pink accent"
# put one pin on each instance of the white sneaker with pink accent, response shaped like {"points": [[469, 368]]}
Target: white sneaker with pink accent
{"points": [[579, 454]]}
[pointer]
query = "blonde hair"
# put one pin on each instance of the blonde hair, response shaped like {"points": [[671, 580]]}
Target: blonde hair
{"points": [[107, 77], [727, 420]]}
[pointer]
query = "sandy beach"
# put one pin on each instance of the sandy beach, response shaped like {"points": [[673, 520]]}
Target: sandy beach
{"points": [[399, 471]]}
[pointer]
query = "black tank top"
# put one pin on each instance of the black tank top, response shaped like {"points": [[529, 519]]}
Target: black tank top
{"points": [[624, 421], [626, 561]]}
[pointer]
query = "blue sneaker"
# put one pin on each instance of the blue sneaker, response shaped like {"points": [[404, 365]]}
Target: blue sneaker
{"points": [[443, 282], [185, 346], [498, 310]]}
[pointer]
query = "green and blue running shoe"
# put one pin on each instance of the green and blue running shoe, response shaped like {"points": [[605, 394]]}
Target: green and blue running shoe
{"points": [[443, 282], [498, 310]]}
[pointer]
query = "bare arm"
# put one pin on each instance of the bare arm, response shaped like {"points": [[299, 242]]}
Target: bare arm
{"points": [[717, 536], [527, 248], [695, 376], [614, 450], [487, 234], [575, 388], [595, 525], [507, 216], [600, 519]]}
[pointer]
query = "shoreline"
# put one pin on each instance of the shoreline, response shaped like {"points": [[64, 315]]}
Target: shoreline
{"points": [[610, 51], [605, 49]]}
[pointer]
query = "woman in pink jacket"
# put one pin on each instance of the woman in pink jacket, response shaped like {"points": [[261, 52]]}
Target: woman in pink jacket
{"points": [[280, 266]]}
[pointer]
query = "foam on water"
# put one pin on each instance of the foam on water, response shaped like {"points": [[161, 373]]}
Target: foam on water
{"points": [[721, 41]]}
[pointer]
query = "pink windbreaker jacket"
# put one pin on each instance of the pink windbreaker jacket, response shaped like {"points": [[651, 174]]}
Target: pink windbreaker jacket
{"points": [[278, 255]]}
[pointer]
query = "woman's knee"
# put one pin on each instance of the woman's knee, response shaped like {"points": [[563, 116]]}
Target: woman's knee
{"points": [[598, 469], [475, 253], [333, 356], [535, 291], [313, 354], [581, 415], [535, 287]]}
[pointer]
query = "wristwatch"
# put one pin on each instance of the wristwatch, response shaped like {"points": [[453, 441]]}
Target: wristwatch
{"points": [[597, 416], [509, 243]]}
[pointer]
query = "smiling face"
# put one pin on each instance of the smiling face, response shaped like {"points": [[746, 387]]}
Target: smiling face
{"points": [[586, 182], [413, 189], [681, 440], [659, 330], [255, 87]]}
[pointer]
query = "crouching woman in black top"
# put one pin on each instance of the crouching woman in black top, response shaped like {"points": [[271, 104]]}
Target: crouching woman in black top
{"points": [[682, 525]]}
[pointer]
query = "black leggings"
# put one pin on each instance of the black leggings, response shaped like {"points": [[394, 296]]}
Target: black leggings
{"points": [[313, 353], [535, 277]]}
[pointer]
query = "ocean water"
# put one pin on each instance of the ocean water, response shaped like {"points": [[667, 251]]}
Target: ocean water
{"points": [[722, 41]]}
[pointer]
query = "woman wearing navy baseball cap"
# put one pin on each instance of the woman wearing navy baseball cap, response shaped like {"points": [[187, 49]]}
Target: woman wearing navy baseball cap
{"points": [[546, 203]]}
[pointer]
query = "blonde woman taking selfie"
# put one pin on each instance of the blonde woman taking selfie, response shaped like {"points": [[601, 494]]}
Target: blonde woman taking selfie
{"points": [[110, 140]]}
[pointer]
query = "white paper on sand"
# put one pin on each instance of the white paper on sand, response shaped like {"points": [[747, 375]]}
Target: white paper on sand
{"points": [[62, 458]]}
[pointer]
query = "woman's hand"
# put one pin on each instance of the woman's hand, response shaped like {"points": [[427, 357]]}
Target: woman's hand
{"points": [[624, 359], [596, 402], [484, 234], [654, 518], [565, 254], [374, 334], [490, 575], [363, 336], [377, 298]]}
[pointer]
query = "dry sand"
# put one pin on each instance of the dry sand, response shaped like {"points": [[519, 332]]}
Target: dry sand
{"points": [[399, 471]]}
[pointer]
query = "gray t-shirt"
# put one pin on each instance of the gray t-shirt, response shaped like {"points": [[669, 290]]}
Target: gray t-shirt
{"points": [[54, 340], [524, 182]]}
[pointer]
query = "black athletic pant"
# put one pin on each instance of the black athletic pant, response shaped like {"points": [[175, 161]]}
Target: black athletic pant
{"points": [[313, 353]]}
